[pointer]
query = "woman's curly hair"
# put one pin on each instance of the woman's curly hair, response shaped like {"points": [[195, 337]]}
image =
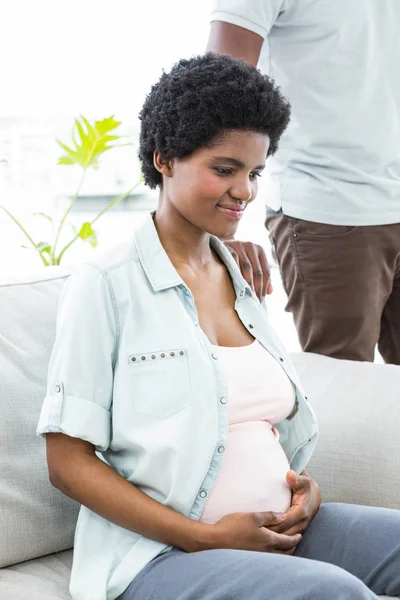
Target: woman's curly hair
{"points": [[200, 99]]}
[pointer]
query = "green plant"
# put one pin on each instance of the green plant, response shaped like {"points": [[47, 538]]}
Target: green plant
{"points": [[89, 142]]}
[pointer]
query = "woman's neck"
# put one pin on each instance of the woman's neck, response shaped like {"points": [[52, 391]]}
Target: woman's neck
{"points": [[185, 244]]}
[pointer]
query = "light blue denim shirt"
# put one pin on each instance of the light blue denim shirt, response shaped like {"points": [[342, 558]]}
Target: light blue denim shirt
{"points": [[133, 373]]}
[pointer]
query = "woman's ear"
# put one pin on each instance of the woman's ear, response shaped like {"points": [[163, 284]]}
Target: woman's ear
{"points": [[163, 166]]}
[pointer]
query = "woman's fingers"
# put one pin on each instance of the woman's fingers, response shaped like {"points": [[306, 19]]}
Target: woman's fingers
{"points": [[281, 542], [268, 518], [295, 515], [300, 527], [292, 479]]}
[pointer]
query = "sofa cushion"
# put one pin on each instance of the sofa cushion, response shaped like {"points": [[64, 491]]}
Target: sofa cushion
{"points": [[35, 518], [357, 459], [45, 578]]}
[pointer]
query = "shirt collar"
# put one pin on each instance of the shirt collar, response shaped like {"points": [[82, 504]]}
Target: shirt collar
{"points": [[161, 272]]}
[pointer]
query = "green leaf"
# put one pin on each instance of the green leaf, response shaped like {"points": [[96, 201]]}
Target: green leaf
{"points": [[90, 141], [66, 160], [106, 125], [43, 247], [88, 234], [71, 158], [91, 133]]}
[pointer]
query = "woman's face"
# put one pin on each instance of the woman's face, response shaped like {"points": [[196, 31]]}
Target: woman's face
{"points": [[212, 187]]}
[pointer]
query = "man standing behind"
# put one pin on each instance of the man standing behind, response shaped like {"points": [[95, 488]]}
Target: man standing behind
{"points": [[335, 222]]}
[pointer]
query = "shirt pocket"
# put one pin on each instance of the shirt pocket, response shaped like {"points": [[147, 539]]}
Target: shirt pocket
{"points": [[160, 382]]}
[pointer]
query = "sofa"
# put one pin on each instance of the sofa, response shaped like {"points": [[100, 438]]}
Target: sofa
{"points": [[357, 459]]}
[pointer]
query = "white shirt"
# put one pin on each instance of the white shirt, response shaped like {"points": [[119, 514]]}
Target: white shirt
{"points": [[133, 373], [252, 477], [338, 63]]}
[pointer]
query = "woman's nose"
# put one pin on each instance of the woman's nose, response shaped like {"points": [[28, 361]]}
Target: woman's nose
{"points": [[242, 191]]}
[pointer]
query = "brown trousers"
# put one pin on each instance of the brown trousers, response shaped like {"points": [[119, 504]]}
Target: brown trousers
{"points": [[343, 286]]}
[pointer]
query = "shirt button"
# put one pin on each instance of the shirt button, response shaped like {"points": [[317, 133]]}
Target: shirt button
{"points": [[195, 324], [203, 494], [281, 359], [223, 400], [58, 388], [241, 293], [251, 326], [214, 356], [221, 449]]}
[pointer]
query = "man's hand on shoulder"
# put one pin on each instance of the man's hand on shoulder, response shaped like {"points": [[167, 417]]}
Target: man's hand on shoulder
{"points": [[252, 261]]}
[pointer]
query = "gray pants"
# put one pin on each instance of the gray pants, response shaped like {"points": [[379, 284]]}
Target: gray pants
{"points": [[347, 553]]}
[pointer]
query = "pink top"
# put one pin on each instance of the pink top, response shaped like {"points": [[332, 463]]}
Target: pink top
{"points": [[253, 472]]}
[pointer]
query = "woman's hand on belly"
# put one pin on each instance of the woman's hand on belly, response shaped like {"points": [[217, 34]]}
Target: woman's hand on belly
{"points": [[250, 531], [306, 500]]}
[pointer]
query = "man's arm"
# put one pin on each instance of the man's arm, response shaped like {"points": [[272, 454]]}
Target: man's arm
{"points": [[238, 42]]}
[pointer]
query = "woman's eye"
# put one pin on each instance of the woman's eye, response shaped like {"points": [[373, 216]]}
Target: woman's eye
{"points": [[223, 171]]}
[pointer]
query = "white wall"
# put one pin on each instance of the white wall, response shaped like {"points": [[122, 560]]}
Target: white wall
{"points": [[92, 56]]}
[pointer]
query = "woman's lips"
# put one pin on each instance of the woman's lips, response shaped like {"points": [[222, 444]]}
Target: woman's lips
{"points": [[233, 212]]}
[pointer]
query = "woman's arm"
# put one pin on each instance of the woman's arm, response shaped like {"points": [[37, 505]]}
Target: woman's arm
{"points": [[75, 470]]}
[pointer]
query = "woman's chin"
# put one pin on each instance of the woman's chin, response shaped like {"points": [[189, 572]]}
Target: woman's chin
{"points": [[223, 233]]}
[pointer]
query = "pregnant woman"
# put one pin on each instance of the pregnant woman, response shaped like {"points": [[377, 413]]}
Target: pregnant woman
{"points": [[173, 413]]}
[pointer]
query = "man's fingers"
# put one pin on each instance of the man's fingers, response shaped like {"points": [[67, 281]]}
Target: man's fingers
{"points": [[234, 255], [246, 267], [284, 542], [267, 286], [253, 263], [250, 252]]}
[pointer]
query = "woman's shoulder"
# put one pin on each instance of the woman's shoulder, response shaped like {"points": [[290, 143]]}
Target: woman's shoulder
{"points": [[117, 255], [105, 269]]}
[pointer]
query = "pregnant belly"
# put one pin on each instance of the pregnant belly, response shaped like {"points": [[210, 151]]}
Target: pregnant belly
{"points": [[252, 477]]}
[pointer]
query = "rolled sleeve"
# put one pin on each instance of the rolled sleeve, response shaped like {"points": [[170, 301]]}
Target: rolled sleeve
{"points": [[255, 15], [80, 377]]}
